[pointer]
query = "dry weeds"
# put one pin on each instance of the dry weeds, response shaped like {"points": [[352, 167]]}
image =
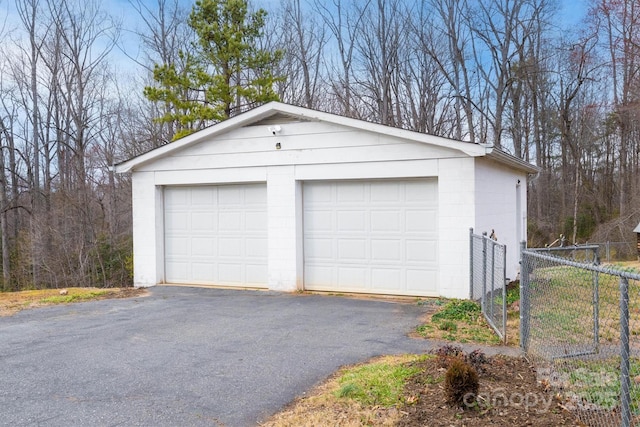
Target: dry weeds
{"points": [[13, 302]]}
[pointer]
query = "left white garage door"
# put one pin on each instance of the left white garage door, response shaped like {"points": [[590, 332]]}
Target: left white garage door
{"points": [[216, 235]]}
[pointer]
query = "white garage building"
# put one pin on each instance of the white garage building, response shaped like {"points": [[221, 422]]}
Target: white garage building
{"points": [[288, 198]]}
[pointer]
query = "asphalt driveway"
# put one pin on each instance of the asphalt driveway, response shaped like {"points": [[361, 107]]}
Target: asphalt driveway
{"points": [[186, 356]]}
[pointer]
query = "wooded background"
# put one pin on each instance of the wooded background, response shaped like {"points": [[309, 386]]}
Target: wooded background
{"points": [[503, 72]]}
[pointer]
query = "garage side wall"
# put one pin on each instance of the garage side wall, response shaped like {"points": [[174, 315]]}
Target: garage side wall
{"points": [[501, 205]]}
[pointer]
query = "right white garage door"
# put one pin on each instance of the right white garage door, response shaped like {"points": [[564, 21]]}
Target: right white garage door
{"points": [[374, 236]]}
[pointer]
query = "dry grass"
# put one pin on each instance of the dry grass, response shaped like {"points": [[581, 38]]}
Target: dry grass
{"points": [[321, 404], [12, 302]]}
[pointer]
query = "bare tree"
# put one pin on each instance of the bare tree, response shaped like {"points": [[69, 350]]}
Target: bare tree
{"points": [[164, 36], [344, 22], [303, 40], [620, 28]]}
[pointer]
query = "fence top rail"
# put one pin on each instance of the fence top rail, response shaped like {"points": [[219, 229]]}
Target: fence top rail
{"points": [[564, 248], [591, 267], [488, 239]]}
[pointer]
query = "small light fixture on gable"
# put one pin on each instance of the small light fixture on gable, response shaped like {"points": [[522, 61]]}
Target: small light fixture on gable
{"points": [[278, 146], [274, 129]]}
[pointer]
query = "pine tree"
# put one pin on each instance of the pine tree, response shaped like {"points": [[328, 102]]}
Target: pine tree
{"points": [[226, 73]]}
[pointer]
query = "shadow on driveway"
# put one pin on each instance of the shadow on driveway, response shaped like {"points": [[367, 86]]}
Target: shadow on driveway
{"points": [[187, 356]]}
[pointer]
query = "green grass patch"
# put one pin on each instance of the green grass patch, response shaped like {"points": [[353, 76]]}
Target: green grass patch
{"points": [[461, 321], [376, 384], [459, 331], [463, 310], [64, 299], [448, 325], [512, 295]]}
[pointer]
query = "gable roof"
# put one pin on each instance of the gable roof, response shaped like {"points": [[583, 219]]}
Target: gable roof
{"points": [[277, 111]]}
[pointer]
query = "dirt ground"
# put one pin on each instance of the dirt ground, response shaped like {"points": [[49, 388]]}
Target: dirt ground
{"points": [[509, 395]]}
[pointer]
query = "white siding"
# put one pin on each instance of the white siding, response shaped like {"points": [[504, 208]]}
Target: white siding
{"points": [[148, 264], [456, 203], [329, 144], [285, 256]]}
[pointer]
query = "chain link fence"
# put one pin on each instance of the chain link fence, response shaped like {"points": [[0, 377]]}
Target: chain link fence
{"points": [[488, 280], [617, 251], [580, 325], [608, 251]]}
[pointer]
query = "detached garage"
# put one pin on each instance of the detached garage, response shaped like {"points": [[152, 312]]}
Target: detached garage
{"points": [[287, 198]]}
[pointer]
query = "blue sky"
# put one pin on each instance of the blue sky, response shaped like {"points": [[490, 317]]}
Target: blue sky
{"points": [[572, 11]]}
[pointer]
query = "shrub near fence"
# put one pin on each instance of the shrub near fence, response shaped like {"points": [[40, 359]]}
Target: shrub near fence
{"points": [[580, 324]]}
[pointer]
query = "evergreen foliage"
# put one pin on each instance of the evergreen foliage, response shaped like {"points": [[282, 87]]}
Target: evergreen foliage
{"points": [[226, 73]]}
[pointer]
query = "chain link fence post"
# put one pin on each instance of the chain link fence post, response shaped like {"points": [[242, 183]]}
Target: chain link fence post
{"points": [[484, 272], [524, 298], [596, 302], [471, 266], [625, 380], [504, 294], [493, 280]]}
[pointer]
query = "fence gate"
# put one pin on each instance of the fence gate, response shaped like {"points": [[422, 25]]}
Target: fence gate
{"points": [[488, 277]]}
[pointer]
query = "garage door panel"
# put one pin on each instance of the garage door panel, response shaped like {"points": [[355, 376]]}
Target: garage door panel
{"points": [[178, 270], [385, 192], [201, 197], [421, 192], [422, 251], [229, 247], [355, 278], [256, 248], [318, 249], [203, 246], [323, 277], [202, 271], [177, 199], [178, 248], [320, 220], [351, 220], [176, 221], [421, 281], [352, 249], [387, 251], [371, 236], [216, 235], [230, 221], [230, 273], [255, 221], [229, 196], [203, 222], [318, 196], [385, 221], [255, 273], [383, 278], [420, 221], [351, 192], [255, 196]]}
